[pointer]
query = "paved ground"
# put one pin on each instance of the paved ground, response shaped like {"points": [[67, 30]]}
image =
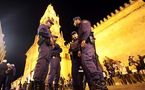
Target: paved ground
{"points": [[138, 86]]}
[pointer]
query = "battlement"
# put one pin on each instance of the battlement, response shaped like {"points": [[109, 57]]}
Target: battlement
{"points": [[118, 14], [114, 41], [121, 34]]}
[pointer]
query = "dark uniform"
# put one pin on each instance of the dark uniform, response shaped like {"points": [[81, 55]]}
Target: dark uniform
{"points": [[10, 77], [3, 68], [77, 78], [142, 62], [88, 56], [54, 73], [41, 67]]}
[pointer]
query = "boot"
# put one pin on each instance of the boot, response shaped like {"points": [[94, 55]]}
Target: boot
{"points": [[42, 86], [35, 86], [56, 86], [92, 86], [39, 85], [101, 85], [50, 86]]}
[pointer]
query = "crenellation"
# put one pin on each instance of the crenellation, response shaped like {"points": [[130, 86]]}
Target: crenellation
{"points": [[132, 5], [116, 11], [126, 5], [94, 26], [112, 14], [111, 23], [101, 21], [121, 34], [108, 17], [132, 1], [98, 23], [121, 8], [104, 19]]}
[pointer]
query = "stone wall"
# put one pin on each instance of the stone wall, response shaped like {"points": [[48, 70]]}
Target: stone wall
{"points": [[123, 34]]}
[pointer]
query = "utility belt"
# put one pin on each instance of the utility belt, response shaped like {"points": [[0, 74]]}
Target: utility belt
{"points": [[56, 56], [80, 70]]}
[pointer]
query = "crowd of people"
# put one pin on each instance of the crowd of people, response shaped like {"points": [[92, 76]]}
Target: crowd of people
{"points": [[116, 72], [7, 73]]}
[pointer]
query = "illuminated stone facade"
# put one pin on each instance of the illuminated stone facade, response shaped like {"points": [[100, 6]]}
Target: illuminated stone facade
{"points": [[119, 35], [122, 34], [32, 53], [2, 45]]}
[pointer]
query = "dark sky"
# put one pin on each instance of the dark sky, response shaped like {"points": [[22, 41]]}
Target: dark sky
{"points": [[20, 20]]}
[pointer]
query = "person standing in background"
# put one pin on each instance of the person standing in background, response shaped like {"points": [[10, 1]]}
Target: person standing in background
{"points": [[54, 73], [3, 68], [75, 54]]}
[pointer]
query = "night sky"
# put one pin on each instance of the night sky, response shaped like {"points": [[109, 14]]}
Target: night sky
{"points": [[20, 20]]}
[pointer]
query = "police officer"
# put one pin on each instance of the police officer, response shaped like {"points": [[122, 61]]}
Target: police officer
{"points": [[74, 50], [92, 71], [45, 42], [10, 73], [3, 68], [54, 73]]}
